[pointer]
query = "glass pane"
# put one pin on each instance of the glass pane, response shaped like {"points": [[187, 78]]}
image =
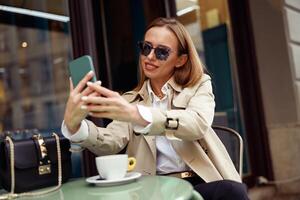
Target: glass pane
{"points": [[34, 55], [208, 23]]}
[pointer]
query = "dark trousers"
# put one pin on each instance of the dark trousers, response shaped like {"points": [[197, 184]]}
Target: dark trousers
{"points": [[219, 190]]}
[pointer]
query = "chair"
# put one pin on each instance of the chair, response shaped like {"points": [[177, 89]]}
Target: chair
{"points": [[233, 143]]}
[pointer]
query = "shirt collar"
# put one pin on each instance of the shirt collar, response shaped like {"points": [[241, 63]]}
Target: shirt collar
{"points": [[171, 82], [165, 90], [145, 90]]}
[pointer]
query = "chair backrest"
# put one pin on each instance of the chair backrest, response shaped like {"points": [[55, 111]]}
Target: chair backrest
{"points": [[233, 143]]}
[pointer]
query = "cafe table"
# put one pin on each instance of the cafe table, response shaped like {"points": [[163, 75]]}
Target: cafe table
{"points": [[144, 188]]}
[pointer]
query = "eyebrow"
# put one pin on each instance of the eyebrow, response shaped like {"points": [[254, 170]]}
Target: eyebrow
{"points": [[160, 45]]}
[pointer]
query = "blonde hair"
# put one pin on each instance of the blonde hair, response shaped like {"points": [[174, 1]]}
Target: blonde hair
{"points": [[191, 72]]}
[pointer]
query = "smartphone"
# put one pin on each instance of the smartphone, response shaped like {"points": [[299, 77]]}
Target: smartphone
{"points": [[79, 67]]}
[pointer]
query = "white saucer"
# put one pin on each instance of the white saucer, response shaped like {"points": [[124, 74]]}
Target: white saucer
{"points": [[129, 177]]}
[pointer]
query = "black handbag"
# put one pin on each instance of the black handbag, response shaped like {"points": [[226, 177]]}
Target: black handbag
{"points": [[34, 163]]}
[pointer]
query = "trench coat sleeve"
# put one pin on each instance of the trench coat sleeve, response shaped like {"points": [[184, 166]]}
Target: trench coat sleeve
{"points": [[109, 140], [194, 112]]}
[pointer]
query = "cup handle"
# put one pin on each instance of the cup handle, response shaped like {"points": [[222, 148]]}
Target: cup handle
{"points": [[131, 163]]}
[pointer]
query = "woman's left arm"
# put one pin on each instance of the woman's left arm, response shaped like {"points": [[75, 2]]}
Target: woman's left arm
{"points": [[192, 121]]}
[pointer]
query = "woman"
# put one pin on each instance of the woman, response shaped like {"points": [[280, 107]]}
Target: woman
{"points": [[166, 121]]}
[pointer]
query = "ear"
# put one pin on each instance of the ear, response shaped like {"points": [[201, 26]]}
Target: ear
{"points": [[181, 60]]}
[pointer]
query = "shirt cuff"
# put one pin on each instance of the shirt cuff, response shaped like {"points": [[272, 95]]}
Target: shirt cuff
{"points": [[79, 136], [147, 116]]}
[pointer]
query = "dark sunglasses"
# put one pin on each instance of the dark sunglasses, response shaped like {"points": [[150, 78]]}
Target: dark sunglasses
{"points": [[161, 53]]}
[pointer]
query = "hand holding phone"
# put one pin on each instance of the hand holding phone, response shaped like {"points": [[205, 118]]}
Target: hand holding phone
{"points": [[79, 67]]}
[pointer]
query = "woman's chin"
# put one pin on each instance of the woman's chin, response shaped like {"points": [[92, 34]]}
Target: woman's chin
{"points": [[150, 73]]}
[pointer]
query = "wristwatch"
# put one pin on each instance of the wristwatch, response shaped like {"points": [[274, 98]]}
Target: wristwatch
{"points": [[172, 123]]}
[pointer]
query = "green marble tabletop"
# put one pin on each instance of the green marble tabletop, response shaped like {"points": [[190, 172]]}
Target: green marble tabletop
{"points": [[145, 188]]}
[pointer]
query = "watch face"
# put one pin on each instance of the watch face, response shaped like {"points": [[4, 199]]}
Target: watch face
{"points": [[172, 124]]}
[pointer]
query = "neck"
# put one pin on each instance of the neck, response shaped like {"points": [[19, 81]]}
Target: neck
{"points": [[156, 87]]}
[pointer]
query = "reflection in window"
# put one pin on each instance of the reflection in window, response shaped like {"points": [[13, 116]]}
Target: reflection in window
{"points": [[34, 54]]}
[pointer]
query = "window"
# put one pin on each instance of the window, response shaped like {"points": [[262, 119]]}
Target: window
{"points": [[35, 48]]}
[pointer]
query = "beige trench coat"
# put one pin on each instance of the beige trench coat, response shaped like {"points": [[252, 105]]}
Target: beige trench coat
{"points": [[194, 109]]}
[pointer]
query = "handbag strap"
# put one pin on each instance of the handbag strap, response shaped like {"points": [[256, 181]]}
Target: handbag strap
{"points": [[13, 195]]}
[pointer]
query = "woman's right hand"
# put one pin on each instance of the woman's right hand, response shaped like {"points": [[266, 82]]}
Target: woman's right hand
{"points": [[73, 112]]}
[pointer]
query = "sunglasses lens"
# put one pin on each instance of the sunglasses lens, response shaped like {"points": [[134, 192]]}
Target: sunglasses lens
{"points": [[145, 48], [161, 53]]}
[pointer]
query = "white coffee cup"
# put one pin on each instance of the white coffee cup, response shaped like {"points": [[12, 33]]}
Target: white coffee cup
{"points": [[114, 167]]}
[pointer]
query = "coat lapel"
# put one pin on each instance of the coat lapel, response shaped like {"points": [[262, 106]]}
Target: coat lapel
{"points": [[146, 101], [151, 144]]}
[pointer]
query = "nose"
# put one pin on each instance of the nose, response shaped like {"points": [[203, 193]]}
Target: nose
{"points": [[151, 55]]}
